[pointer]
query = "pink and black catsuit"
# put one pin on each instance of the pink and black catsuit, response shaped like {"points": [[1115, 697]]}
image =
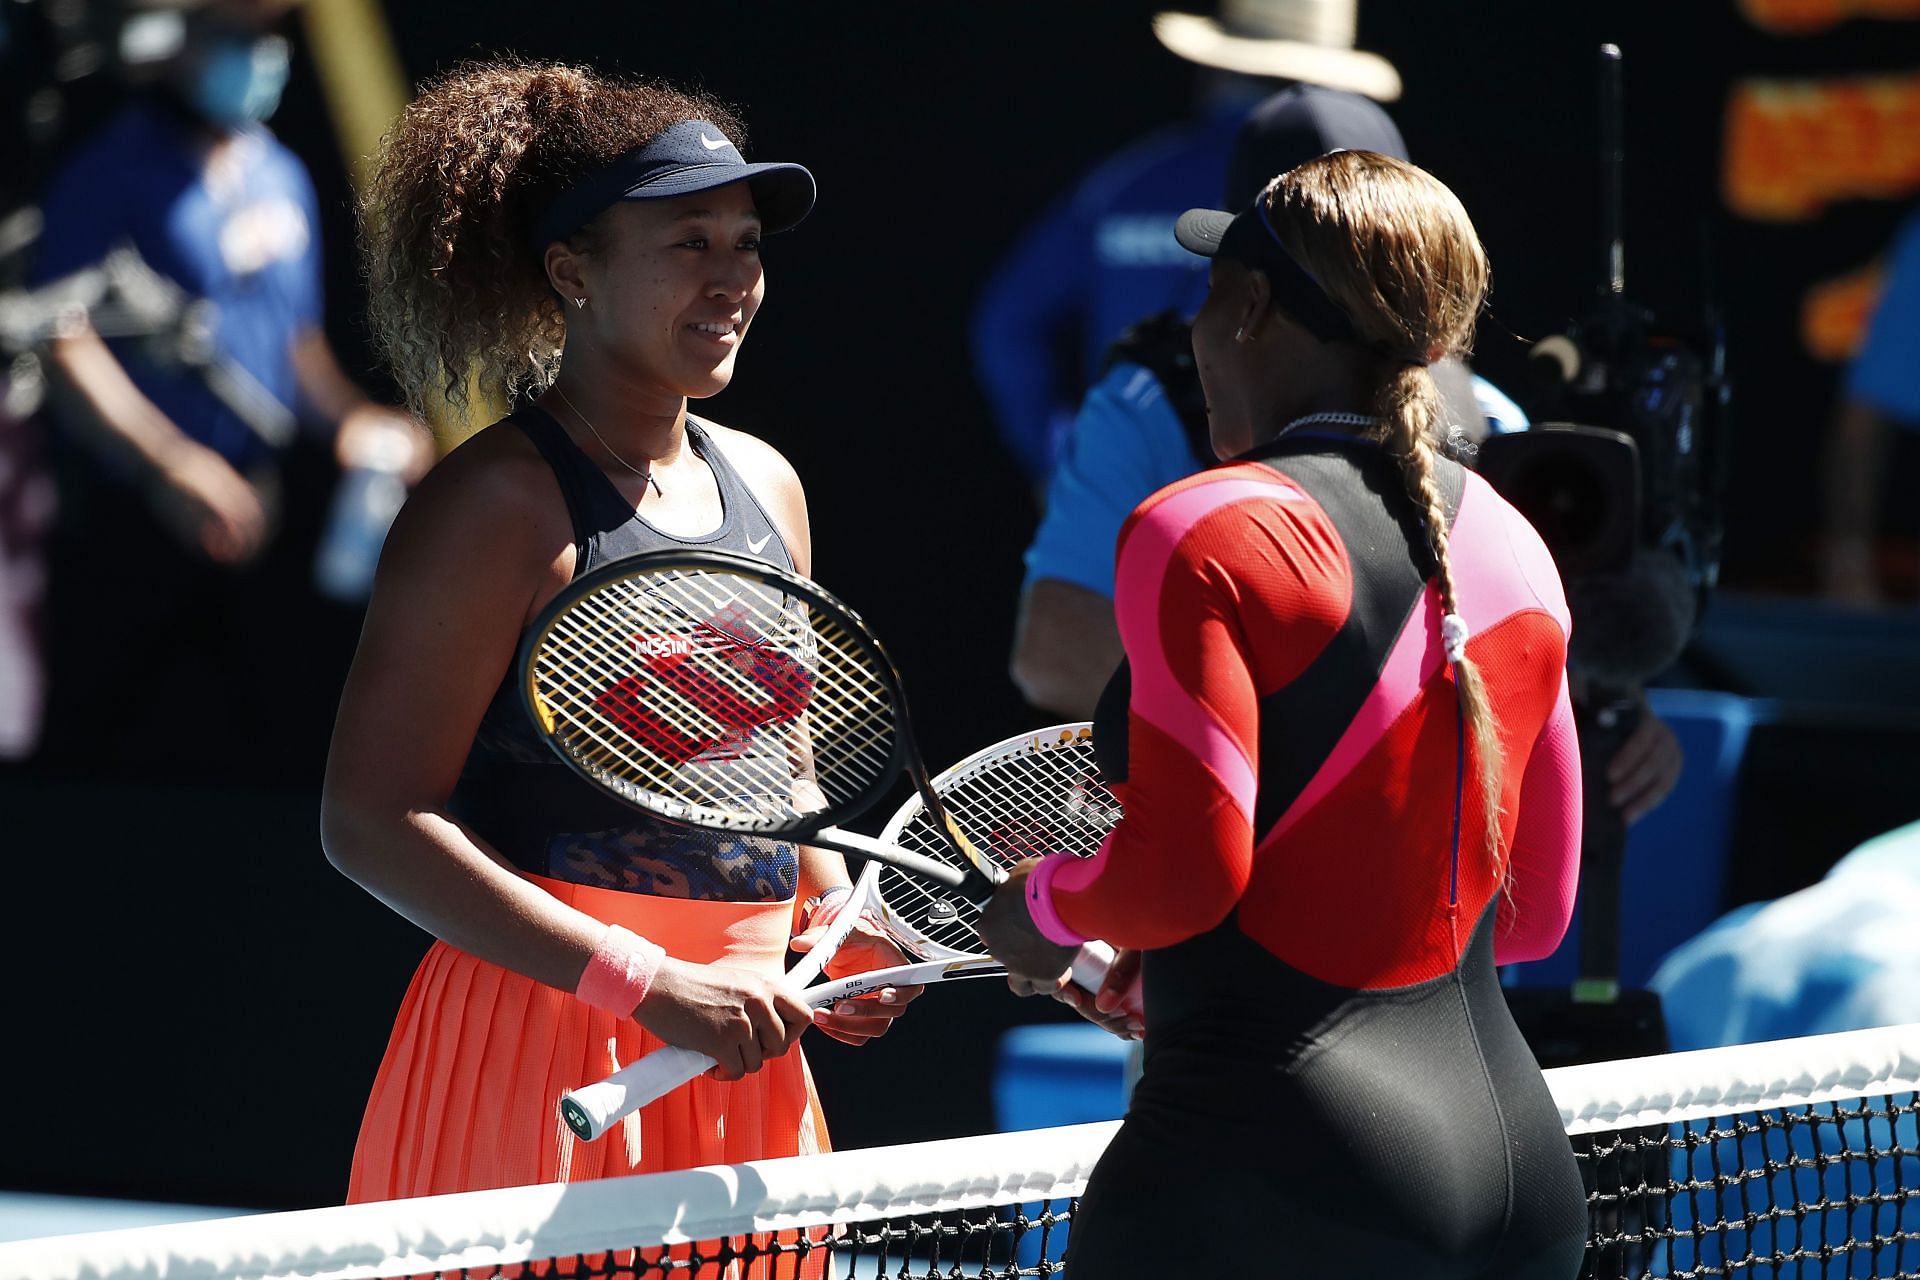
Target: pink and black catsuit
{"points": [[1329, 1063]]}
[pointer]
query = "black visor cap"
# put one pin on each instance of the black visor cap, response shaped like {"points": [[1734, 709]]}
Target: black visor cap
{"points": [[1247, 237]]}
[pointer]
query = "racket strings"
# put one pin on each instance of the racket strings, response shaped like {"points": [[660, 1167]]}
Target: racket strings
{"points": [[691, 709], [679, 706], [579, 649], [615, 707], [612, 706], [717, 693], [852, 736], [1044, 798]]}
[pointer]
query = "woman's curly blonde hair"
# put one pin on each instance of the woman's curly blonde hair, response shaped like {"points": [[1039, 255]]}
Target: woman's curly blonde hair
{"points": [[459, 297]]}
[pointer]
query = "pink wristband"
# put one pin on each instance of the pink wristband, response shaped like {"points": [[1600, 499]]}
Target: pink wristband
{"points": [[1046, 917], [619, 972]]}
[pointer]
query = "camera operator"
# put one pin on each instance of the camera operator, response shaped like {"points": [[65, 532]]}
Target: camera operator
{"points": [[168, 490]]}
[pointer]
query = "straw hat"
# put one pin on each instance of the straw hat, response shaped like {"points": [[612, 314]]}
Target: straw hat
{"points": [[1305, 40]]}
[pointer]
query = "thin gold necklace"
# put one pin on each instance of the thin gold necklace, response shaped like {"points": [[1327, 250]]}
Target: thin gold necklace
{"points": [[646, 476]]}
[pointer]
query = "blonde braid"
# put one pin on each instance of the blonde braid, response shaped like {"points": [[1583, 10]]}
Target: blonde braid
{"points": [[1396, 252], [1411, 407]]}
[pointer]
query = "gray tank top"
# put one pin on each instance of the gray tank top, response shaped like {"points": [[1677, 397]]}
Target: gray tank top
{"points": [[516, 795]]}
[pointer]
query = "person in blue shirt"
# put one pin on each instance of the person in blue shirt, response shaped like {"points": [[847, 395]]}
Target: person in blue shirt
{"points": [[1881, 392], [169, 450], [1105, 256]]}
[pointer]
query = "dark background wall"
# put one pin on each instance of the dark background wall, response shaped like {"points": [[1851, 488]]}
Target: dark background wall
{"points": [[195, 1002]]}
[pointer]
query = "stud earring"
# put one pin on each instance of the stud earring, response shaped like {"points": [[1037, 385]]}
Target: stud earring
{"points": [[580, 303], [1240, 334]]}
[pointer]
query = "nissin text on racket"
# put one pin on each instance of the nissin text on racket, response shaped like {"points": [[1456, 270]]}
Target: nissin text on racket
{"points": [[661, 646]]}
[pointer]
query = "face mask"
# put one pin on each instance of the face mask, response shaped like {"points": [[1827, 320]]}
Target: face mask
{"points": [[239, 81]]}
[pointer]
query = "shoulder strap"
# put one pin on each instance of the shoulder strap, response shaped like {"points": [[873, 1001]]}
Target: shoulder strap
{"points": [[748, 521], [565, 459], [1163, 345]]}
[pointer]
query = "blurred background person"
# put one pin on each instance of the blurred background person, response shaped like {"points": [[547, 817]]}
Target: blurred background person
{"points": [[169, 453], [1103, 257], [1880, 394]]}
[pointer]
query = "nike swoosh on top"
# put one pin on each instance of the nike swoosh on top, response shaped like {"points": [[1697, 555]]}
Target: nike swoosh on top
{"points": [[755, 546], [712, 144]]}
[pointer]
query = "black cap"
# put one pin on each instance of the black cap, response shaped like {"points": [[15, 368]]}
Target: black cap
{"points": [[1299, 123], [689, 157], [1249, 237]]}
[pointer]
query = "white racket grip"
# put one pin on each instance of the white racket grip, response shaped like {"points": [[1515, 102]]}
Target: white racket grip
{"points": [[1090, 965], [591, 1111]]}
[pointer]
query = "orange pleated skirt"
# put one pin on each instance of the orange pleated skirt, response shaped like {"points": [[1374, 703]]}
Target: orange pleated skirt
{"points": [[467, 1095]]}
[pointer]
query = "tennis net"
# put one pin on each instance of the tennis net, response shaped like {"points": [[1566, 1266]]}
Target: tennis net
{"points": [[1797, 1158]]}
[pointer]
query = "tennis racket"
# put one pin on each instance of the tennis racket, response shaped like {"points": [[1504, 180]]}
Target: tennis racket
{"points": [[1034, 793], [720, 692]]}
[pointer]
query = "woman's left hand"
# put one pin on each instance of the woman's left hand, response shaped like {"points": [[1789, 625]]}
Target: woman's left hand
{"points": [[1036, 965], [866, 948]]}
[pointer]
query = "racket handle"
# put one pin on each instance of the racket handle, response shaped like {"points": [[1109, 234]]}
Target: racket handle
{"points": [[971, 884], [591, 1111], [1090, 965], [596, 1108], [1090, 970]]}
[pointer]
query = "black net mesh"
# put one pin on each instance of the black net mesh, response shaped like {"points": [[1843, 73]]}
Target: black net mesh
{"points": [[1827, 1190]]}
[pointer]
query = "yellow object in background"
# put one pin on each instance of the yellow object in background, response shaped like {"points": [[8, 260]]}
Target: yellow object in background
{"points": [[360, 74], [366, 89]]}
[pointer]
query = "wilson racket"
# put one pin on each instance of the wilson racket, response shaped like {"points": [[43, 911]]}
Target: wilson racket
{"points": [[1031, 794], [717, 691]]}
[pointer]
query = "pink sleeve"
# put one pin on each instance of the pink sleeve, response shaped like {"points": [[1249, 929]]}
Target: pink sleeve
{"points": [[1545, 866]]}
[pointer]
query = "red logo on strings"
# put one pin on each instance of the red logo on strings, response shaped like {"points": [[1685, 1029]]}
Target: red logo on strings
{"points": [[679, 707]]}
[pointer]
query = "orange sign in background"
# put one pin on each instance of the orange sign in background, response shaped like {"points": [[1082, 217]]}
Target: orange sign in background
{"points": [[1801, 17], [1794, 147], [1834, 314]]}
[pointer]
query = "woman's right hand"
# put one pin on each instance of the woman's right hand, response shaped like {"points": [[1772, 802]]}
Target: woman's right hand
{"points": [[738, 1018]]}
